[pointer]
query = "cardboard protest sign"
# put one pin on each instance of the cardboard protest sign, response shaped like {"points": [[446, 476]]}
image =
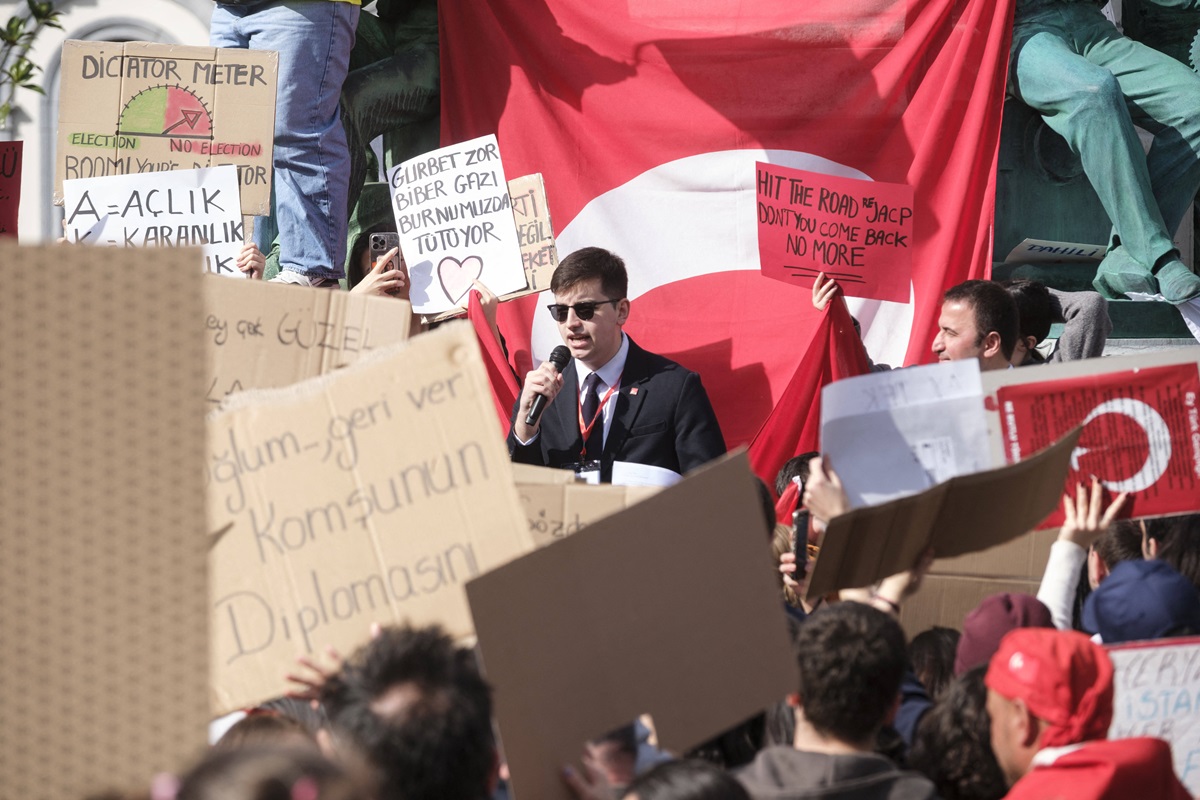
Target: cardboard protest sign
{"points": [[557, 505], [858, 232], [539, 253], [135, 107], [668, 607], [186, 208], [902, 431], [1141, 427], [103, 598], [1157, 692], [963, 515], [10, 187], [263, 335], [455, 221], [372, 494], [535, 234]]}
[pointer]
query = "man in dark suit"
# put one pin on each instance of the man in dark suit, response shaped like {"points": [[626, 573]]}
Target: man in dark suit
{"points": [[615, 401]]}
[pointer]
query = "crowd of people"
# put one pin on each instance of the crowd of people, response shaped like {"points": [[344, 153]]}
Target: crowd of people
{"points": [[1016, 701]]}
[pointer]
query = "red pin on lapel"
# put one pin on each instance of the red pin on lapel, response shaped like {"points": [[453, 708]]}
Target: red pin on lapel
{"points": [[633, 391]]}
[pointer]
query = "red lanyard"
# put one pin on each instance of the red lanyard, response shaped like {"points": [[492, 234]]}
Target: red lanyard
{"points": [[584, 430]]}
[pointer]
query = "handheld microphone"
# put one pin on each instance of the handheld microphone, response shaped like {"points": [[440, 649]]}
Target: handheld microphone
{"points": [[559, 357]]}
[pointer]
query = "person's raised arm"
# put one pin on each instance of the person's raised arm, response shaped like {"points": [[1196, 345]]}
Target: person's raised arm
{"points": [[1086, 519]]}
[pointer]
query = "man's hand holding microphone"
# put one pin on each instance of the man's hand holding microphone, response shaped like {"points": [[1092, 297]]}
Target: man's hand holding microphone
{"points": [[542, 385]]}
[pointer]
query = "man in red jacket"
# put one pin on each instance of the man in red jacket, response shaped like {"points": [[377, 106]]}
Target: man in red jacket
{"points": [[1050, 696]]}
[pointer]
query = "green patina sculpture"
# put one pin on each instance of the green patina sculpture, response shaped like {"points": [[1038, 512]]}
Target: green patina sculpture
{"points": [[1091, 85]]}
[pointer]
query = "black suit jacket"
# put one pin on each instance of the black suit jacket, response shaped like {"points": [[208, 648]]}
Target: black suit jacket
{"points": [[662, 419]]}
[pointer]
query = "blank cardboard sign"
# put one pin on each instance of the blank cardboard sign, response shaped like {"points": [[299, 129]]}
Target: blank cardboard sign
{"points": [[368, 495], [668, 607], [965, 514], [103, 604]]}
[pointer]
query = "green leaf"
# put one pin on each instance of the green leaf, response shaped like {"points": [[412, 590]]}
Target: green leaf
{"points": [[13, 31]]}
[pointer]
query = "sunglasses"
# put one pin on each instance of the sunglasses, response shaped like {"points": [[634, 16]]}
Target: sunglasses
{"points": [[584, 311]]}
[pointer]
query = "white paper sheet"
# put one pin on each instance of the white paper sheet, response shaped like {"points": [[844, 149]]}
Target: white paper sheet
{"points": [[892, 434], [626, 473]]}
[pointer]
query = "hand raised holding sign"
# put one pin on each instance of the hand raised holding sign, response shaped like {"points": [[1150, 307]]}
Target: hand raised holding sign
{"points": [[824, 288]]}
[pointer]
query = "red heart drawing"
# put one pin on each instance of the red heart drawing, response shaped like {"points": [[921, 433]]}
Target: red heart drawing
{"points": [[457, 276]]}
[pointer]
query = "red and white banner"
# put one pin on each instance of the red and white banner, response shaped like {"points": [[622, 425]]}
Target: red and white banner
{"points": [[647, 117], [1141, 433]]}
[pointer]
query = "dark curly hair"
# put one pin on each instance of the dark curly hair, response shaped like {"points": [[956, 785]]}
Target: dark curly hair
{"points": [[417, 708], [953, 746], [852, 659]]}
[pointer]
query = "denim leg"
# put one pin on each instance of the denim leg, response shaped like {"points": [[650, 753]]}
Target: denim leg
{"points": [[312, 161]]}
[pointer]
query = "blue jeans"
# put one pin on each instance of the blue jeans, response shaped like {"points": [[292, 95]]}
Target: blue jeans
{"points": [[312, 161]]}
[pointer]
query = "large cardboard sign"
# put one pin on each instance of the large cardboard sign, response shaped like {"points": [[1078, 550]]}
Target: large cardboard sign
{"points": [[858, 232], [965, 514], [264, 335], [1141, 432], [557, 505], [103, 597], [186, 208], [134, 107], [10, 187], [454, 216], [609, 624], [1157, 691], [372, 494]]}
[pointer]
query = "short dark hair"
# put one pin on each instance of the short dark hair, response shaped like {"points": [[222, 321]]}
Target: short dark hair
{"points": [[687, 780], [994, 310], [852, 659], [953, 744], [1121, 542], [1035, 307], [440, 744], [1178, 540], [588, 263], [796, 467]]}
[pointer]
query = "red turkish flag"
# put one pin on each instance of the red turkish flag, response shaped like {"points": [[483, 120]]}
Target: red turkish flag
{"points": [[646, 118], [1141, 433]]}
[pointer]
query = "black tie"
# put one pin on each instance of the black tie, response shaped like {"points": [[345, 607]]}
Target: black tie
{"points": [[591, 404]]}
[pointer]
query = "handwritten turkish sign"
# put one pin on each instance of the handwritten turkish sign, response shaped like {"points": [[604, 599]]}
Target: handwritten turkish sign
{"points": [[10, 186], [1157, 693], [858, 232], [455, 220], [1141, 433], [182, 208]]}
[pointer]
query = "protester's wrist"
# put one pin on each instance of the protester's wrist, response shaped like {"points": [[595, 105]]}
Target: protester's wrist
{"points": [[884, 603]]}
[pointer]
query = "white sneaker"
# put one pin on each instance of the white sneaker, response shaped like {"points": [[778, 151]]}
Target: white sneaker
{"points": [[300, 279]]}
